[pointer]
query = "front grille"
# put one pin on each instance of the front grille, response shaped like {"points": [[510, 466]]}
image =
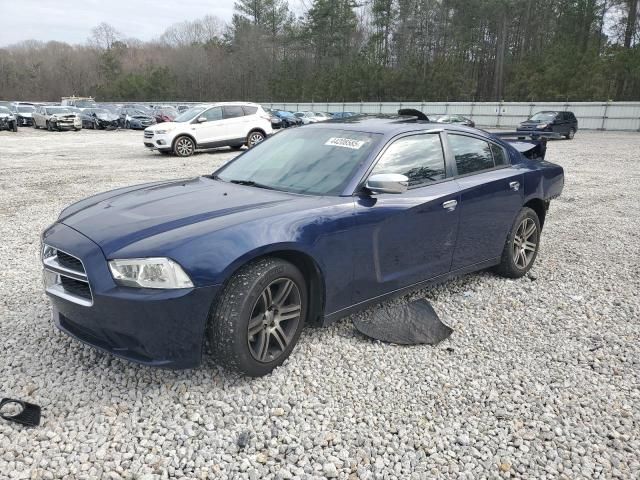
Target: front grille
{"points": [[75, 287], [148, 134], [65, 276], [70, 262]]}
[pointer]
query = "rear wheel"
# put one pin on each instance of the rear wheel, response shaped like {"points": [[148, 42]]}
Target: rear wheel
{"points": [[49, 127], [127, 125], [184, 146], [521, 248], [259, 317], [571, 134], [254, 138]]}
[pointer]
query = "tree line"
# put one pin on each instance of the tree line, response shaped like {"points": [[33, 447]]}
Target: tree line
{"points": [[351, 50]]}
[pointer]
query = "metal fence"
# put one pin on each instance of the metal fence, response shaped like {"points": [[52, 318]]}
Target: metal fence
{"points": [[591, 115]]}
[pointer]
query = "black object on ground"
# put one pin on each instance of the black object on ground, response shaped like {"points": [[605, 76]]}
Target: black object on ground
{"points": [[29, 414], [406, 324]]}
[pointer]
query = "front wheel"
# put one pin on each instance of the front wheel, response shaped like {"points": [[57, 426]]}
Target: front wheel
{"points": [[127, 125], [15, 126], [571, 134], [259, 317], [184, 146], [49, 127], [254, 138], [521, 248]]}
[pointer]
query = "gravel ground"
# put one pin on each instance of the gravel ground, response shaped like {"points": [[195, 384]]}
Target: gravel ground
{"points": [[540, 378]]}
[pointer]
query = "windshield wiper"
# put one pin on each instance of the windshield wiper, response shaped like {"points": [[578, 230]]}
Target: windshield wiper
{"points": [[251, 183]]}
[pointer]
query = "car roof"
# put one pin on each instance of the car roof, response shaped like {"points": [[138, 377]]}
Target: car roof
{"points": [[390, 125]]}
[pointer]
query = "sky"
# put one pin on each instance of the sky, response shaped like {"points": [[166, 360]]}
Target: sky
{"points": [[71, 21]]}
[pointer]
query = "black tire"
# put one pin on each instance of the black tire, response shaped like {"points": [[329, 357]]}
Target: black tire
{"points": [[571, 134], [254, 138], [127, 125], [15, 126], [184, 146], [49, 127], [233, 346], [518, 258], [35, 125]]}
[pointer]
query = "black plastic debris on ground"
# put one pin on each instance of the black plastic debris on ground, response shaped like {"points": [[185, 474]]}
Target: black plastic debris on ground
{"points": [[411, 323], [28, 415]]}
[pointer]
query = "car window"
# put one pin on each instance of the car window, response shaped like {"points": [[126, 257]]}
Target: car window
{"points": [[213, 114], [302, 160], [233, 111], [249, 110], [471, 154], [419, 157], [499, 155]]}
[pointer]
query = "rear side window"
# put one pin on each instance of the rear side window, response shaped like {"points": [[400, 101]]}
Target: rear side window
{"points": [[233, 111], [472, 154], [419, 157], [499, 155], [249, 110]]}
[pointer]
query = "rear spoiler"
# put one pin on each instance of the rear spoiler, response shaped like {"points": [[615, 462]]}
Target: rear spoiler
{"points": [[532, 145], [412, 112]]}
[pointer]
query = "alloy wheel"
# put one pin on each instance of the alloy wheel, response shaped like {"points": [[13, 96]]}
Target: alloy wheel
{"points": [[184, 147], [274, 320], [525, 243], [255, 138]]}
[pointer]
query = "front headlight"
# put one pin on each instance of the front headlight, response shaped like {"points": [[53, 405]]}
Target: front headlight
{"points": [[149, 273], [542, 125], [163, 131]]}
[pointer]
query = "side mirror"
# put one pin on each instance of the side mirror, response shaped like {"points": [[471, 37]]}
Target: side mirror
{"points": [[388, 183], [201, 119]]}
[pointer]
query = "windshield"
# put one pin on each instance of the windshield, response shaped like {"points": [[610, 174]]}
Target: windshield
{"points": [[5, 110], [190, 114], [53, 110], [543, 116], [284, 114], [303, 160], [26, 108], [84, 103]]}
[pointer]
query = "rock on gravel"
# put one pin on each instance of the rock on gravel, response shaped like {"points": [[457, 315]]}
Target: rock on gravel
{"points": [[540, 379]]}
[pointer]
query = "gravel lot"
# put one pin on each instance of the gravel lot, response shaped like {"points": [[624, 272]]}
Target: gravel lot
{"points": [[540, 379]]}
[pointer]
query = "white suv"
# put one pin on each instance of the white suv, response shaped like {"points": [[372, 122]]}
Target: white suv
{"points": [[232, 124]]}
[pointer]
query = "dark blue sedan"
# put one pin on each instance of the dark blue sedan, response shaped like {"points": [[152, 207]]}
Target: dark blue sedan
{"points": [[306, 227]]}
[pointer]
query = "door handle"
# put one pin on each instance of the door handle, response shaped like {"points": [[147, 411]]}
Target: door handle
{"points": [[515, 186], [450, 205]]}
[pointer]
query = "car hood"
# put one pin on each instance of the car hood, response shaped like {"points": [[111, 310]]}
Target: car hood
{"points": [[110, 117], [137, 213], [164, 126], [25, 114], [6, 115]]}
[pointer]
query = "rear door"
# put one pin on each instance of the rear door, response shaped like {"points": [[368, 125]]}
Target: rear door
{"points": [[490, 198], [407, 238], [234, 123]]}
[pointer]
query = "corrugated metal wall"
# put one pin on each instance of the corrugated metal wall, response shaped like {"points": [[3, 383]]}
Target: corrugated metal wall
{"points": [[591, 115]]}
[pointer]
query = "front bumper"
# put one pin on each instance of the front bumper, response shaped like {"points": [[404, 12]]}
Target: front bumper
{"points": [[161, 328], [157, 142], [25, 121], [108, 123]]}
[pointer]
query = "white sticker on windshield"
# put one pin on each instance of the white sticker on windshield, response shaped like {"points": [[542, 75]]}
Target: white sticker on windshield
{"points": [[345, 142]]}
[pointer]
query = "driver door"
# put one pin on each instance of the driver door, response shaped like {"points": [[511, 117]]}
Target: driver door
{"points": [[409, 237], [210, 130]]}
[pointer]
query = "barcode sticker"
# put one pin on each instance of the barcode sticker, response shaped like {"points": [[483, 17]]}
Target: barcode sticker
{"points": [[345, 142]]}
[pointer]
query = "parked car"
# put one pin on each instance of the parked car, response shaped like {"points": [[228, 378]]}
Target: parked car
{"points": [[6, 104], [135, 118], [56, 118], [562, 123], [310, 117], [8, 120], [336, 115], [457, 119], [23, 113], [288, 118], [307, 227], [99, 118], [165, 114], [232, 124]]}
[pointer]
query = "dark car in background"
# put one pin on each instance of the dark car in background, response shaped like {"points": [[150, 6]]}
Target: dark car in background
{"points": [[165, 114], [308, 226], [24, 113], [8, 120], [337, 115], [453, 119], [99, 118], [136, 118], [563, 124], [288, 118]]}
